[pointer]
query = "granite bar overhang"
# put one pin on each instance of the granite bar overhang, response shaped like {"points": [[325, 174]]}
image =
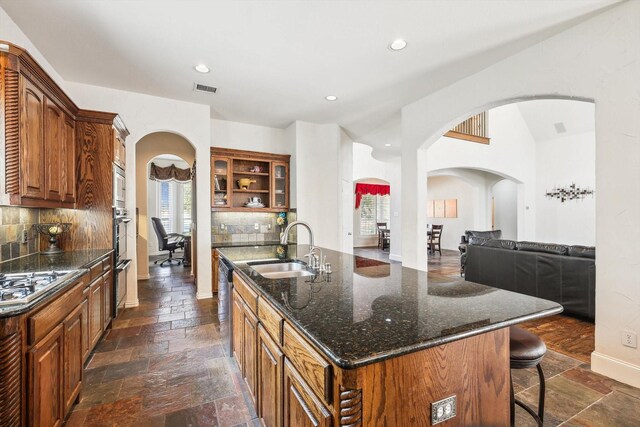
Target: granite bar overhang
{"points": [[78, 261], [367, 311], [242, 244]]}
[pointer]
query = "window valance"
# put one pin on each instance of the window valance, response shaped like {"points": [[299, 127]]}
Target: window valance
{"points": [[169, 173], [371, 189]]}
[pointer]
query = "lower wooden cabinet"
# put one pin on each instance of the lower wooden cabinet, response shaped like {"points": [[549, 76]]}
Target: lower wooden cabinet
{"points": [[96, 316], [107, 283], [214, 270], [301, 407], [250, 341], [238, 328], [73, 356], [270, 366], [46, 380]]}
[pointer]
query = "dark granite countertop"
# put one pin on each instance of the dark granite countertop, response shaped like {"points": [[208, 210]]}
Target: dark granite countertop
{"points": [[367, 310], [242, 244], [75, 261]]}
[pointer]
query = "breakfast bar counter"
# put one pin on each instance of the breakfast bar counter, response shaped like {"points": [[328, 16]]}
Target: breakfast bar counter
{"points": [[395, 339]]}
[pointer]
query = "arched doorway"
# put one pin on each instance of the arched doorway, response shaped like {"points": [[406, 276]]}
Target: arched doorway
{"points": [[148, 148]]}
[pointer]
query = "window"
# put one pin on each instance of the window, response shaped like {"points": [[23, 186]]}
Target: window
{"points": [[174, 206], [373, 209]]}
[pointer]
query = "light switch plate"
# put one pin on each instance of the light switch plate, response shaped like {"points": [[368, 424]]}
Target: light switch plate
{"points": [[443, 410]]}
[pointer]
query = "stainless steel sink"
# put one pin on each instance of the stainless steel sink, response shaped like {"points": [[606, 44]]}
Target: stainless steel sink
{"points": [[280, 270]]}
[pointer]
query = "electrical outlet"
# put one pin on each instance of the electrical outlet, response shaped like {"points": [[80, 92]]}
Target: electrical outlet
{"points": [[629, 339], [256, 226], [443, 410], [269, 226], [24, 236], [222, 226]]}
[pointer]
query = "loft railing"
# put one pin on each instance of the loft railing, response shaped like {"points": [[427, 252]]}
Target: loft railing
{"points": [[473, 129]]}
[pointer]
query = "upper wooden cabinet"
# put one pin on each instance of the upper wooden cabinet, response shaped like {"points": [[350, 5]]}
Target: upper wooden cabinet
{"points": [[41, 138], [265, 177]]}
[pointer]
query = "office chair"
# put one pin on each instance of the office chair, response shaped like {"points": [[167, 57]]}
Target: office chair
{"points": [[167, 242]]}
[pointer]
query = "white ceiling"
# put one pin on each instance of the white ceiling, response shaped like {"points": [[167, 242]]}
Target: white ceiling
{"points": [[541, 116], [275, 61]]}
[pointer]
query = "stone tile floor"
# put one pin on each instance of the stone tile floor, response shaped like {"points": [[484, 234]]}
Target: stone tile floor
{"points": [[162, 364]]}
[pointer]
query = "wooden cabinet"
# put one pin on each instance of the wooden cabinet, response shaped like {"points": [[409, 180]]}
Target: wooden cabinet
{"points": [[265, 176], [250, 343], [46, 380], [96, 307], [215, 259], [86, 349], [270, 368], [107, 289], [32, 160], [119, 150], [301, 408], [237, 312], [53, 151], [69, 161], [73, 356]]}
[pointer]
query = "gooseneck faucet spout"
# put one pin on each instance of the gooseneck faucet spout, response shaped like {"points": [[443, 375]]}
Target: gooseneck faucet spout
{"points": [[285, 235]]}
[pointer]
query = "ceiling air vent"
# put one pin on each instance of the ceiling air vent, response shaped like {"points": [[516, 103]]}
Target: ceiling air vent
{"points": [[204, 88], [560, 128]]}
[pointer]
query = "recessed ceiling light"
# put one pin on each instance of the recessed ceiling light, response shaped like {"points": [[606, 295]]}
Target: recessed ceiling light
{"points": [[201, 68], [331, 98], [398, 44], [387, 145]]}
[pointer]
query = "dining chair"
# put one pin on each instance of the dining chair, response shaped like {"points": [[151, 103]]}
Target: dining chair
{"points": [[435, 238], [381, 227]]}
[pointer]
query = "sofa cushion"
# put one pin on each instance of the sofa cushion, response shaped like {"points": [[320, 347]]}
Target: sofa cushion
{"points": [[493, 243], [582, 251], [549, 248], [491, 234]]}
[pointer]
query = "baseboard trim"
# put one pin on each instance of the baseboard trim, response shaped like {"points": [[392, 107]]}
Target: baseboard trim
{"points": [[617, 369], [204, 295], [129, 304], [144, 276], [394, 257]]}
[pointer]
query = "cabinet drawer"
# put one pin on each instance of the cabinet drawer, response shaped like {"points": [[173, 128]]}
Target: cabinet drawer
{"points": [[310, 364], [50, 316], [246, 292], [271, 320], [95, 270], [106, 264]]}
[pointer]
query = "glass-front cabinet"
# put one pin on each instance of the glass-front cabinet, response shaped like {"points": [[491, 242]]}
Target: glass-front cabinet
{"points": [[280, 185], [220, 182], [249, 181]]}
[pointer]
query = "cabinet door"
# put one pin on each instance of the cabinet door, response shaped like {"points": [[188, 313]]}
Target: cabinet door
{"points": [[221, 182], [45, 373], [69, 164], [53, 150], [96, 317], [238, 328], [280, 185], [72, 357], [119, 150], [86, 338], [250, 365], [301, 407], [32, 160], [270, 361], [108, 298], [214, 271]]}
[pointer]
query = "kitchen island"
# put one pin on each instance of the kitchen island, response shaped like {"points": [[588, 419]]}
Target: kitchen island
{"points": [[372, 343]]}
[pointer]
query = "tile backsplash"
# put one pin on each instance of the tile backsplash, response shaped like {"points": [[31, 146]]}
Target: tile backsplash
{"points": [[13, 222], [240, 227]]}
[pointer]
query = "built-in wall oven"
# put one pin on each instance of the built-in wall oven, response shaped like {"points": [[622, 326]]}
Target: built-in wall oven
{"points": [[122, 262], [119, 187]]}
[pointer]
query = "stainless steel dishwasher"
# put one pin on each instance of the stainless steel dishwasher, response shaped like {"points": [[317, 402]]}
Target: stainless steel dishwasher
{"points": [[225, 293]]}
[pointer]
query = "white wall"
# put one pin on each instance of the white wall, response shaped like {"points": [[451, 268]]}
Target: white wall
{"points": [[561, 162], [450, 187], [598, 59], [505, 202], [244, 136]]}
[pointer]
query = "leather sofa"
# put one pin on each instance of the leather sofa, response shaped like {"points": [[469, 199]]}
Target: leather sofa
{"points": [[560, 273], [464, 240]]}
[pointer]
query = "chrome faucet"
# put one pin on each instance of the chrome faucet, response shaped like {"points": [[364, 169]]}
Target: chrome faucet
{"points": [[315, 261]]}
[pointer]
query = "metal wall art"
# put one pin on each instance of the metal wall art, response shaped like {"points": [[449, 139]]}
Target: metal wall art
{"points": [[571, 192]]}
